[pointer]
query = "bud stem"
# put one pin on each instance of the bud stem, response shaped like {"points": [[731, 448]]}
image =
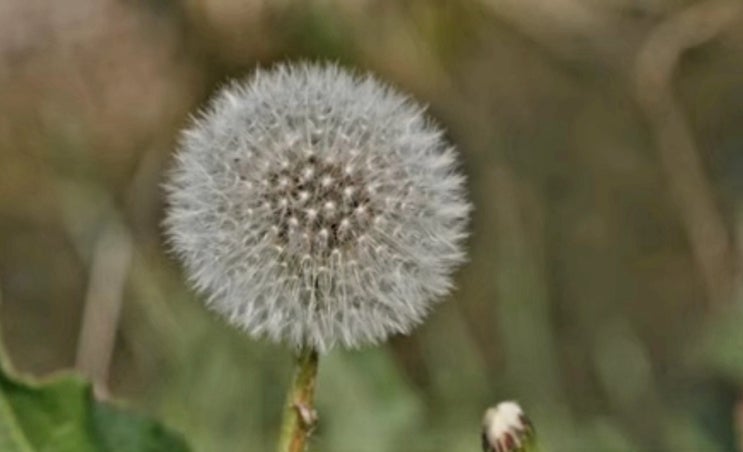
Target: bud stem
{"points": [[300, 417]]}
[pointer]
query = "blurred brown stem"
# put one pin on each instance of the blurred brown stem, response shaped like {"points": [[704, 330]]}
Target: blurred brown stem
{"points": [[682, 165], [656, 63], [300, 417], [109, 270]]}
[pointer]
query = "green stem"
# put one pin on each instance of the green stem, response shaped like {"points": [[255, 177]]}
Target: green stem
{"points": [[299, 413]]}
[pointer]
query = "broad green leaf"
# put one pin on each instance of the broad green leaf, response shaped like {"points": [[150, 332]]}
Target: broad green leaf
{"points": [[62, 415]]}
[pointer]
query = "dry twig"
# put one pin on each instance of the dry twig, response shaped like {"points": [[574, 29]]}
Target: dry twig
{"points": [[689, 186]]}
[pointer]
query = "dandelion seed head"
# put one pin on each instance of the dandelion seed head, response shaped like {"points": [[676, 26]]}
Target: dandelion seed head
{"points": [[317, 208]]}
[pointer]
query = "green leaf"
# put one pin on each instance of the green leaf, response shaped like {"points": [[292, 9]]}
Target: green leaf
{"points": [[62, 415]]}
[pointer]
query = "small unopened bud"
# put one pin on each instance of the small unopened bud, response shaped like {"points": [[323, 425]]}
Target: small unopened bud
{"points": [[505, 428]]}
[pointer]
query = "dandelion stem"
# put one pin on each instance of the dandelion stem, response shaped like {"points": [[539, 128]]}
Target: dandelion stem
{"points": [[300, 416]]}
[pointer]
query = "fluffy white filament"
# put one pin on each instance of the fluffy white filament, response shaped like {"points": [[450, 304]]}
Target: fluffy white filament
{"points": [[316, 207]]}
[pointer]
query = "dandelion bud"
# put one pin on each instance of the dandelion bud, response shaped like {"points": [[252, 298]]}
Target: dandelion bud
{"points": [[505, 428], [274, 201]]}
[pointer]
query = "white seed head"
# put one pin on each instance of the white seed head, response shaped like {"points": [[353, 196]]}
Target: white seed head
{"points": [[275, 198], [505, 428]]}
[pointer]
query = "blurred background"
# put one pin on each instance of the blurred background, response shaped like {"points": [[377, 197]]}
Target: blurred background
{"points": [[603, 141]]}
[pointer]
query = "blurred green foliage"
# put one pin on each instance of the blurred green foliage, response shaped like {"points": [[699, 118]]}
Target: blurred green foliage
{"points": [[62, 415]]}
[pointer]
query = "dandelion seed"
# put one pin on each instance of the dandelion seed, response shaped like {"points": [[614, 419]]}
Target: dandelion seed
{"points": [[284, 206]]}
